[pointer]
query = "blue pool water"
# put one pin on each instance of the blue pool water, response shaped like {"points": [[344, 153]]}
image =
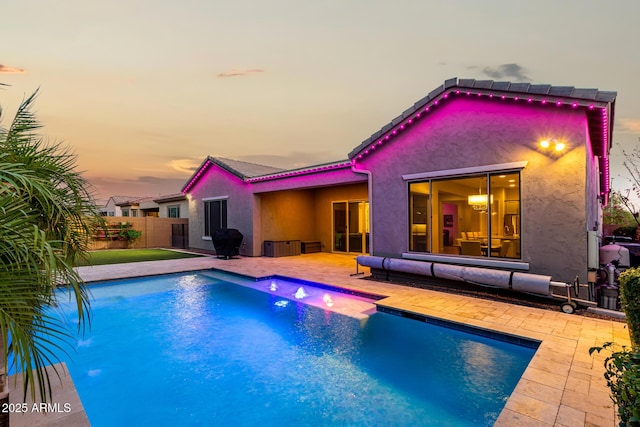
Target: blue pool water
{"points": [[201, 349]]}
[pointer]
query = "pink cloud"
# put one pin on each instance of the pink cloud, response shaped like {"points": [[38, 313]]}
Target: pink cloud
{"points": [[240, 72], [7, 69]]}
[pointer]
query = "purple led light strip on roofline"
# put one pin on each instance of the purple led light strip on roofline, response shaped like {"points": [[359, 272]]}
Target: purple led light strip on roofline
{"points": [[288, 174], [197, 176], [543, 100]]}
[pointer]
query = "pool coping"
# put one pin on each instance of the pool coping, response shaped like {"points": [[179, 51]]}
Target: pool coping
{"points": [[562, 386]]}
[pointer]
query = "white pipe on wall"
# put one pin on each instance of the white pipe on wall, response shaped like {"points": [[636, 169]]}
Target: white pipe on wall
{"points": [[521, 282]]}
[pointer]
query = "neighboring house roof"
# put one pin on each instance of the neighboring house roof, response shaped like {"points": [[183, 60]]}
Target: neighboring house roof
{"points": [[117, 200], [135, 201], [176, 197]]}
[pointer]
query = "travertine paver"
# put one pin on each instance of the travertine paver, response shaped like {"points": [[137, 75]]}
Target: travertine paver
{"points": [[563, 385]]}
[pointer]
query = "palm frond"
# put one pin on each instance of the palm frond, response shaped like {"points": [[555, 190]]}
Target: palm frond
{"points": [[45, 213]]}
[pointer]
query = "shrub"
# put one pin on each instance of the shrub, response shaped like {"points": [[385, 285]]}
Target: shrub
{"points": [[622, 372], [630, 301], [128, 233], [629, 231]]}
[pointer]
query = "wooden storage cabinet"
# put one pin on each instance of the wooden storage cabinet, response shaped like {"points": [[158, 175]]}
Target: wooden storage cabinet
{"points": [[280, 248], [310, 247]]}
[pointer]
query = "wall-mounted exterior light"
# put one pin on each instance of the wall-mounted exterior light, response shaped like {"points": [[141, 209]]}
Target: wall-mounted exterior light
{"points": [[552, 144]]}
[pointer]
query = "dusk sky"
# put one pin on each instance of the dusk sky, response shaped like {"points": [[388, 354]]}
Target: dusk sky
{"points": [[144, 90]]}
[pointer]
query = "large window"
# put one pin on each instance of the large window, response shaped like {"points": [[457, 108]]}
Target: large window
{"points": [[215, 216], [476, 215]]}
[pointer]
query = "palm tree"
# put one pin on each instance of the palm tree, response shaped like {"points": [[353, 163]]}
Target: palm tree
{"points": [[45, 214]]}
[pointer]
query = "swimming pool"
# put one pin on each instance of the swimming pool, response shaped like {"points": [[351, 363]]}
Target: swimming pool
{"points": [[210, 348]]}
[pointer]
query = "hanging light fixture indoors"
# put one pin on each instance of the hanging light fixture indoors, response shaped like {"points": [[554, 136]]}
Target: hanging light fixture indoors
{"points": [[480, 202]]}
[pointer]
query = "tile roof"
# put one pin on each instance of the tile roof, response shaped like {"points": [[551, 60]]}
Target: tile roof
{"points": [[170, 198], [134, 200], [583, 97], [244, 169], [123, 199], [252, 172]]}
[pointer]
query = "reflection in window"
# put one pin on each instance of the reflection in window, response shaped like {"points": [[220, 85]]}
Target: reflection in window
{"points": [[475, 215]]}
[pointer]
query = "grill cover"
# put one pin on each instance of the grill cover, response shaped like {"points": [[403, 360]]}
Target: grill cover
{"points": [[226, 242]]}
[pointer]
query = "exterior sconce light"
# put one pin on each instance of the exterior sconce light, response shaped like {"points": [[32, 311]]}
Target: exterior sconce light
{"points": [[553, 144]]}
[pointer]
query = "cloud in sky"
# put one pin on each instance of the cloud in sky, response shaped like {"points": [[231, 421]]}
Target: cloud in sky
{"points": [[147, 185], [505, 71], [12, 70], [235, 72], [185, 166], [629, 125]]}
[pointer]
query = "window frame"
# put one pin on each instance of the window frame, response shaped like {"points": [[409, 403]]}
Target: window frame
{"points": [[208, 204], [177, 211], [428, 178]]}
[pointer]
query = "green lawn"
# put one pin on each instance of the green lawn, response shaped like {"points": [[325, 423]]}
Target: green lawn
{"points": [[116, 256]]}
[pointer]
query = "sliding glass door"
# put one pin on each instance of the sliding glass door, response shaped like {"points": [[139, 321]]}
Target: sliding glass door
{"points": [[351, 226]]}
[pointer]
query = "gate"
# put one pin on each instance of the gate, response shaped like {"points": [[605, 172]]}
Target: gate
{"points": [[180, 236]]}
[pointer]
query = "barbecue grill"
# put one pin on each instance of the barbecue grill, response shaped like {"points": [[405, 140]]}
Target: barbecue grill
{"points": [[226, 242]]}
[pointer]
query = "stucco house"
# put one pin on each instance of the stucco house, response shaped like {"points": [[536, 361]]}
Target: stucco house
{"points": [[172, 206], [502, 175], [113, 206]]}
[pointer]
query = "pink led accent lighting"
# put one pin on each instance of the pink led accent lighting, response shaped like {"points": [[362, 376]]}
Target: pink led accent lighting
{"points": [[197, 176], [544, 101], [302, 171]]}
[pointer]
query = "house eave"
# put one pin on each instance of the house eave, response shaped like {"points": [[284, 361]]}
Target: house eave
{"points": [[599, 107]]}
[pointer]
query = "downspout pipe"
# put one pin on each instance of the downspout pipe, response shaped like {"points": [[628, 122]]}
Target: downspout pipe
{"points": [[354, 169]]}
